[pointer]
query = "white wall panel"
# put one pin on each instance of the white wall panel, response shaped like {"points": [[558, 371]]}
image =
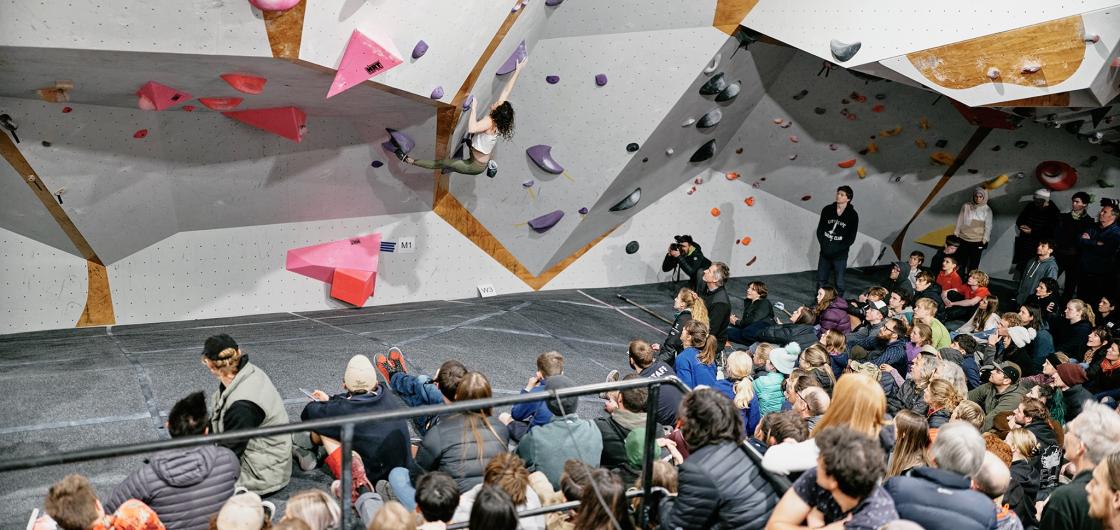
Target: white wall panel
{"points": [[591, 17], [40, 287]]}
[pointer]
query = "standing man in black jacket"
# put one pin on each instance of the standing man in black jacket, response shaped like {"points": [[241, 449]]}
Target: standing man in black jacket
{"points": [[1070, 227], [836, 231], [686, 255], [717, 301]]}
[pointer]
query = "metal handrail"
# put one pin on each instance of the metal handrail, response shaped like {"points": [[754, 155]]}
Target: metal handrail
{"points": [[347, 423], [559, 507]]}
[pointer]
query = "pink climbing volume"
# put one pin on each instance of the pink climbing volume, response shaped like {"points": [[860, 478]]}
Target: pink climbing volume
{"points": [[363, 59]]}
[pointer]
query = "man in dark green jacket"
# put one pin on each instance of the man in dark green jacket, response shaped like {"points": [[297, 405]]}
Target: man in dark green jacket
{"points": [[1090, 437]]}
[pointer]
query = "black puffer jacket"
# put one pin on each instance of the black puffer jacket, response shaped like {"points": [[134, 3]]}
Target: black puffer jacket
{"points": [[184, 487], [673, 345], [803, 334], [449, 446], [720, 487]]}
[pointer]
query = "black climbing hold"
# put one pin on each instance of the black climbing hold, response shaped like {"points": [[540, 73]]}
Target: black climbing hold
{"points": [[941, 143], [844, 112], [645, 159], [872, 136], [629, 202], [820, 110], [800, 95], [705, 151], [880, 97], [713, 86], [46, 143], [631, 247], [729, 93], [631, 147], [1021, 144], [377, 163], [864, 151], [973, 171], [1089, 161], [845, 101], [996, 148], [711, 119]]}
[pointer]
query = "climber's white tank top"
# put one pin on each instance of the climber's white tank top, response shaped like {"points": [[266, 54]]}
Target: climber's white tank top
{"points": [[484, 142]]}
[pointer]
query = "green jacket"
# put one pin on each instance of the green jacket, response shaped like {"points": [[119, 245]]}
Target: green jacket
{"points": [[266, 464], [546, 447], [994, 403]]}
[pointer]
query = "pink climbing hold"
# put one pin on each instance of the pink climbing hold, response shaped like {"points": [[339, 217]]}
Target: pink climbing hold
{"points": [[349, 265], [249, 84], [140, 134], [289, 122], [794, 139], [362, 60], [601, 79], [519, 54], [66, 110], [160, 97], [274, 5], [220, 103]]}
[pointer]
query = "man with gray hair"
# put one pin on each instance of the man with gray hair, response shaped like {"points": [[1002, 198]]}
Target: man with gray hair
{"points": [[941, 496], [994, 480], [1089, 439], [717, 301]]}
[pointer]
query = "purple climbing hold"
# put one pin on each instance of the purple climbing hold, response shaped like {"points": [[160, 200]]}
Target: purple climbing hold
{"points": [[552, 79], [377, 163], [470, 101], [437, 92], [517, 56], [420, 49], [583, 211], [553, 3], [542, 157], [528, 183], [601, 79], [546, 221], [399, 140]]}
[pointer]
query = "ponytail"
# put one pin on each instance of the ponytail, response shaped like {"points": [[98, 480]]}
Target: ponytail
{"points": [[708, 353]]}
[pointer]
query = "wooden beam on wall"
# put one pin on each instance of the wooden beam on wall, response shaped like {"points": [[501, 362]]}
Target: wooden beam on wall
{"points": [[730, 14], [285, 31]]}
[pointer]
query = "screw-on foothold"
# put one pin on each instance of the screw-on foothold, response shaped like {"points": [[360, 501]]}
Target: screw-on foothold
{"points": [[1092, 37], [993, 73]]}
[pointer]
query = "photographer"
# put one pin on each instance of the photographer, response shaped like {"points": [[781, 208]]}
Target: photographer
{"points": [[685, 255], [1097, 249]]}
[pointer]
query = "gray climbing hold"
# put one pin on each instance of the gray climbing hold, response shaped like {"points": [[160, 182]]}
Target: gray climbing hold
{"points": [[419, 50], [541, 155], [583, 211], [820, 110], [729, 93], [687, 122], [519, 54], [713, 65], [437, 92], [546, 221], [629, 202], [553, 3], [528, 183], [631, 247], [552, 79], [601, 79], [632, 147], [713, 86], [705, 151], [711, 119], [469, 101], [843, 51], [400, 140]]}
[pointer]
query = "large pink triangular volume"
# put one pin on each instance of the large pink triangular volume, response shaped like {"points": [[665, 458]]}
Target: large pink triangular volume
{"points": [[320, 261], [362, 60], [162, 96], [288, 122]]}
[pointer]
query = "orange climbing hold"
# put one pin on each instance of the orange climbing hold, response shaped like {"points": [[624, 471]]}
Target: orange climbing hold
{"points": [[715, 212], [749, 201], [745, 241], [847, 163], [943, 158], [872, 147], [220, 103], [862, 172], [923, 123], [921, 143], [891, 132], [731, 175]]}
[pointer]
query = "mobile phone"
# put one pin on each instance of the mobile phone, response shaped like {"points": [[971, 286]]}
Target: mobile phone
{"points": [[308, 393]]}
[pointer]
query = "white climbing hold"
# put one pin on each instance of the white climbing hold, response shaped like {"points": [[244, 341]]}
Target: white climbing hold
{"points": [[688, 122], [833, 147], [713, 65], [843, 51], [669, 151], [779, 121], [793, 156], [794, 139], [1092, 37], [993, 73], [1031, 66]]}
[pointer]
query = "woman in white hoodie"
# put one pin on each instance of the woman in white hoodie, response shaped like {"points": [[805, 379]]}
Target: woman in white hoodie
{"points": [[974, 227]]}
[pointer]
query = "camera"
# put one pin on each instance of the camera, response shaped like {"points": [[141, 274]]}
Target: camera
{"points": [[678, 240], [674, 246]]}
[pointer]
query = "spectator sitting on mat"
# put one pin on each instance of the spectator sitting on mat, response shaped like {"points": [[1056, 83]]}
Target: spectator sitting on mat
{"points": [[994, 481], [689, 307], [314, 507], [525, 416], [866, 336], [758, 314], [547, 447], [952, 245], [1000, 395], [72, 505], [420, 390], [778, 363], [1104, 493], [800, 329], [506, 472], [640, 357], [1089, 439], [185, 486], [926, 288], [627, 409], [437, 497]]}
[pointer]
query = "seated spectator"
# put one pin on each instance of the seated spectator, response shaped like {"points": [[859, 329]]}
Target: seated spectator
{"points": [[1043, 344], [949, 280], [696, 365], [458, 444], [314, 507], [184, 486], [970, 413], [1072, 337], [1096, 347], [524, 416], [815, 360], [911, 448], [739, 388], [1031, 414], [993, 480], [962, 351], [890, 348], [1010, 343], [800, 329], [640, 356], [245, 511], [952, 245], [779, 427], [940, 496], [1024, 452], [921, 341], [915, 265], [769, 387], [493, 510], [1104, 377], [1107, 314], [811, 404], [573, 482], [1000, 395], [1091, 437], [758, 314], [246, 399], [924, 311], [896, 280], [688, 306], [545, 448], [899, 306], [381, 445], [976, 290], [836, 347], [391, 516], [1104, 493], [506, 472], [844, 486], [1044, 265], [1069, 379], [832, 310], [719, 483], [420, 390], [926, 288], [799, 380], [72, 505], [941, 398], [627, 412], [1045, 298], [603, 505], [908, 392], [437, 498], [866, 335], [984, 319]]}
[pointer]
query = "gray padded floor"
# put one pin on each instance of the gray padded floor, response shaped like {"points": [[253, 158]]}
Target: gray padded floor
{"points": [[73, 389]]}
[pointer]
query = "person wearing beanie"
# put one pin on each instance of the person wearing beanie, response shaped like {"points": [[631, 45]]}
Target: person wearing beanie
{"points": [[547, 447], [1000, 395], [381, 445], [1070, 227], [974, 228], [1070, 378], [247, 399], [1038, 221], [836, 231], [768, 387]]}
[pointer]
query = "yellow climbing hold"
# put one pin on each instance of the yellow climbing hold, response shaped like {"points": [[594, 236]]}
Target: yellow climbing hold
{"points": [[996, 183], [941, 157], [923, 123], [891, 132], [872, 147], [862, 172]]}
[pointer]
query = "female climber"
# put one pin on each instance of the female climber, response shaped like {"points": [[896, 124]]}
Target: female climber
{"points": [[485, 136]]}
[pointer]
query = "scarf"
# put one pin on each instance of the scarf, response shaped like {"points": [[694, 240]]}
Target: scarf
{"points": [[1108, 366]]}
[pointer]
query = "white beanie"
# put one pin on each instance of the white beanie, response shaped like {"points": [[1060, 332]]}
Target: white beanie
{"points": [[1020, 335]]}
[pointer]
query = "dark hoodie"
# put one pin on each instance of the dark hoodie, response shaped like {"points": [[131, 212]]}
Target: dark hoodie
{"points": [[184, 487], [836, 233]]}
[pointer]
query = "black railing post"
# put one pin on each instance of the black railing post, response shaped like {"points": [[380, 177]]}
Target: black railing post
{"points": [[346, 478], [650, 453]]}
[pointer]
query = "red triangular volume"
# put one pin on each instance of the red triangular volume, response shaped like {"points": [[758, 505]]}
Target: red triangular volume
{"points": [[161, 96], [288, 122], [249, 84], [362, 60]]}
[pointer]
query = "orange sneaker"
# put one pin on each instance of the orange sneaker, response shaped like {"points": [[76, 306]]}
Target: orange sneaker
{"points": [[396, 360], [383, 367]]}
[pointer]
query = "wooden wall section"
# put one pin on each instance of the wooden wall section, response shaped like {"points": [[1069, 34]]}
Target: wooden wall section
{"points": [[1057, 46], [285, 31], [730, 13]]}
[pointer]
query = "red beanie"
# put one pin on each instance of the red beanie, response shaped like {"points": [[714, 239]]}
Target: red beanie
{"points": [[1071, 374]]}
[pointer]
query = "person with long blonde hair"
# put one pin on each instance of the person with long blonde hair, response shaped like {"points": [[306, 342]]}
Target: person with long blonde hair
{"points": [[314, 507], [817, 361], [985, 318], [836, 345], [941, 397], [696, 364], [911, 446], [688, 306], [1081, 321], [739, 387]]}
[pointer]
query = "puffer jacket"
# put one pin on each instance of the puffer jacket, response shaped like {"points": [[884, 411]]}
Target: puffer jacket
{"points": [[768, 389], [835, 317], [936, 498], [803, 334], [449, 446], [720, 487], [673, 345], [185, 487]]}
